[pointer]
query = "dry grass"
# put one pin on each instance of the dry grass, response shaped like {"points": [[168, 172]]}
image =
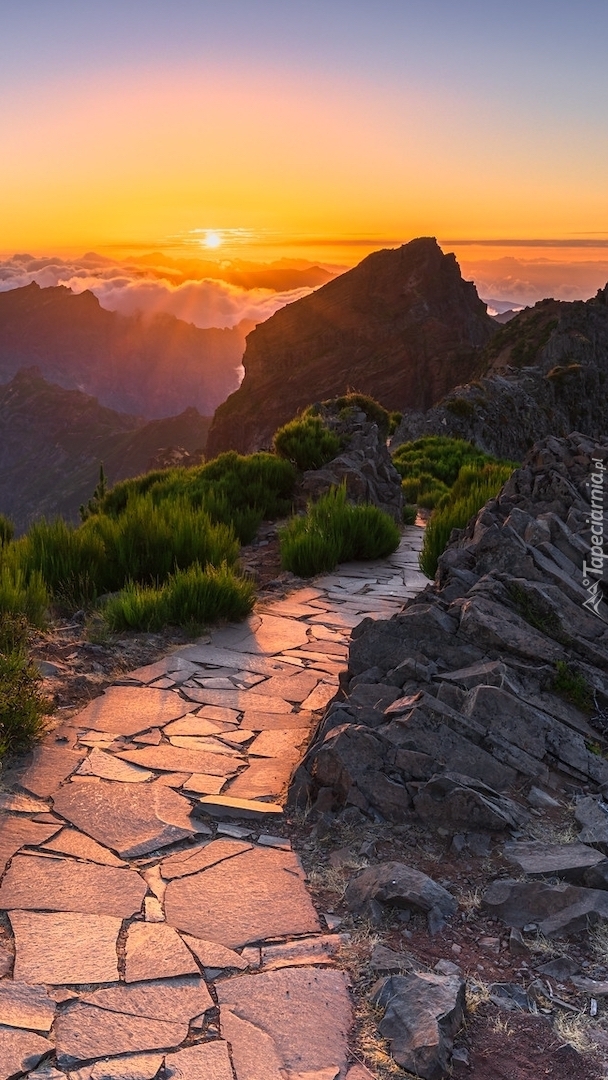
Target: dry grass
{"points": [[575, 1031], [500, 1026], [470, 900], [477, 993], [370, 1049], [544, 947], [598, 941], [550, 832]]}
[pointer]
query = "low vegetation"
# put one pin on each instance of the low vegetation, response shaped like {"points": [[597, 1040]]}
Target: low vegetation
{"points": [[23, 707], [473, 488], [334, 531], [573, 686], [307, 442], [430, 467]]}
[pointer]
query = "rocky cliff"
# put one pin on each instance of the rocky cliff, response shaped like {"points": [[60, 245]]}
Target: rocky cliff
{"points": [[153, 367], [402, 326], [52, 441], [545, 373]]}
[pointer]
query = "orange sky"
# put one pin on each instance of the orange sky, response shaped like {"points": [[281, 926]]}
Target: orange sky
{"points": [[323, 132]]}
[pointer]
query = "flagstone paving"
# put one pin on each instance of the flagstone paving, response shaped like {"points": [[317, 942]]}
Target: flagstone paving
{"points": [[156, 928]]}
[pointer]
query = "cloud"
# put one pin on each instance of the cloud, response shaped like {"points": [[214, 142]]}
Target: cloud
{"points": [[128, 288], [524, 281]]}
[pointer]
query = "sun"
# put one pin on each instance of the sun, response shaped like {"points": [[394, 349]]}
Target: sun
{"points": [[212, 239]]}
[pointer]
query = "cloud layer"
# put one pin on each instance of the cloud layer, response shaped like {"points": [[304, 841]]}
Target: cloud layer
{"points": [[128, 288]]}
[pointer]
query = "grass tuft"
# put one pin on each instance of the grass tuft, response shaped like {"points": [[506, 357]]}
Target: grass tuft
{"points": [[307, 442], [23, 707]]}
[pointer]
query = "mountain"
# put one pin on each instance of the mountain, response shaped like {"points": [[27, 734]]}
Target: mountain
{"points": [[402, 326], [52, 441], [544, 373], [148, 366], [247, 275]]}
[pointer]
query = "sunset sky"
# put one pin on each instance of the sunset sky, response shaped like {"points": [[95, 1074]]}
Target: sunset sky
{"points": [[320, 130]]}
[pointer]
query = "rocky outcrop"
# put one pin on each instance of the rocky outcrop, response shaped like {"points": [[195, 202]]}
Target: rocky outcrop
{"points": [[545, 373], [153, 366], [364, 464], [402, 326], [493, 680], [52, 442]]}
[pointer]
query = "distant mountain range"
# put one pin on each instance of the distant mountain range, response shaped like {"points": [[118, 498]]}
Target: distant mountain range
{"points": [[52, 441], [402, 326], [146, 366]]}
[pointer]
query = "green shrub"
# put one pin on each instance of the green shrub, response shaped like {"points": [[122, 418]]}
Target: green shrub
{"points": [[394, 420], [460, 407], [333, 531], [7, 530], [307, 442], [22, 705], [23, 595], [191, 598], [375, 412], [475, 485], [409, 514], [573, 686]]}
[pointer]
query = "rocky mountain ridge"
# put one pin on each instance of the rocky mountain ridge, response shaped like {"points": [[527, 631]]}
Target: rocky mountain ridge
{"points": [[53, 441], [402, 326], [146, 366], [545, 373]]}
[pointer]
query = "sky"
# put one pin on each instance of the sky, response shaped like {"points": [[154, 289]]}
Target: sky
{"points": [[261, 129]]}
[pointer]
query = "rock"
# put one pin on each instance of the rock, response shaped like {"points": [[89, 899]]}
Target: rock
{"points": [[590, 813], [539, 859], [596, 877], [395, 884], [423, 1012], [456, 801], [541, 800], [560, 969], [20, 1051], [556, 909], [387, 961]]}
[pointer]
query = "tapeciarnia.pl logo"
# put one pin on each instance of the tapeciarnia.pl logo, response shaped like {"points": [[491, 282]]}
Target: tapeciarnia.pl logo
{"points": [[593, 571]]}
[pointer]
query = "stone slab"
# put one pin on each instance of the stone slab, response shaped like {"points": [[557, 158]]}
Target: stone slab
{"points": [[279, 742], [254, 1053], [537, 858], [264, 778], [84, 1032], [189, 998], [256, 895], [214, 656], [317, 950], [109, 767], [197, 725], [192, 860], [131, 819], [65, 947], [305, 1012], [169, 758], [292, 688], [72, 842], [202, 784], [33, 883], [150, 738], [156, 951], [209, 1061], [227, 806], [51, 765], [320, 696], [212, 955], [204, 744], [254, 720], [25, 1006], [237, 699], [20, 1051], [17, 803], [18, 832], [128, 710], [133, 1067]]}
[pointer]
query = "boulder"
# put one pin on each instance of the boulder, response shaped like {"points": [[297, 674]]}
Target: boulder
{"points": [[539, 859], [458, 802], [555, 909], [423, 1012], [394, 884]]}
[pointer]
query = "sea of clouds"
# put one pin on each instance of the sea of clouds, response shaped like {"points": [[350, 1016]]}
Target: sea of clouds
{"points": [[129, 287]]}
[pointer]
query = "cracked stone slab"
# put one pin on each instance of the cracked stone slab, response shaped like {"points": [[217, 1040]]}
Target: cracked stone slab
{"points": [[72, 842], [128, 710], [21, 804], [212, 955], [109, 767], [320, 696], [293, 688], [189, 998], [537, 858], [204, 785], [34, 883], [133, 1067], [132, 819], [304, 1012], [280, 742], [25, 1006], [209, 1061], [253, 720], [237, 700], [192, 860], [258, 894], [253, 1050], [156, 951], [318, 950], [65, 947], [20, 1051], [199, 726], [264, 777], [51, 765], [169, 758], [18, 832], [84, 1032], [205, 743]]}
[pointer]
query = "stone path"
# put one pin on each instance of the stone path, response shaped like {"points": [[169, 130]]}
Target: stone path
{"points": [[145, 933]]}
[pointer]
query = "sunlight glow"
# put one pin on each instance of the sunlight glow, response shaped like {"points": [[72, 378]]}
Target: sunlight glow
{"points": [[212, 239]]}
